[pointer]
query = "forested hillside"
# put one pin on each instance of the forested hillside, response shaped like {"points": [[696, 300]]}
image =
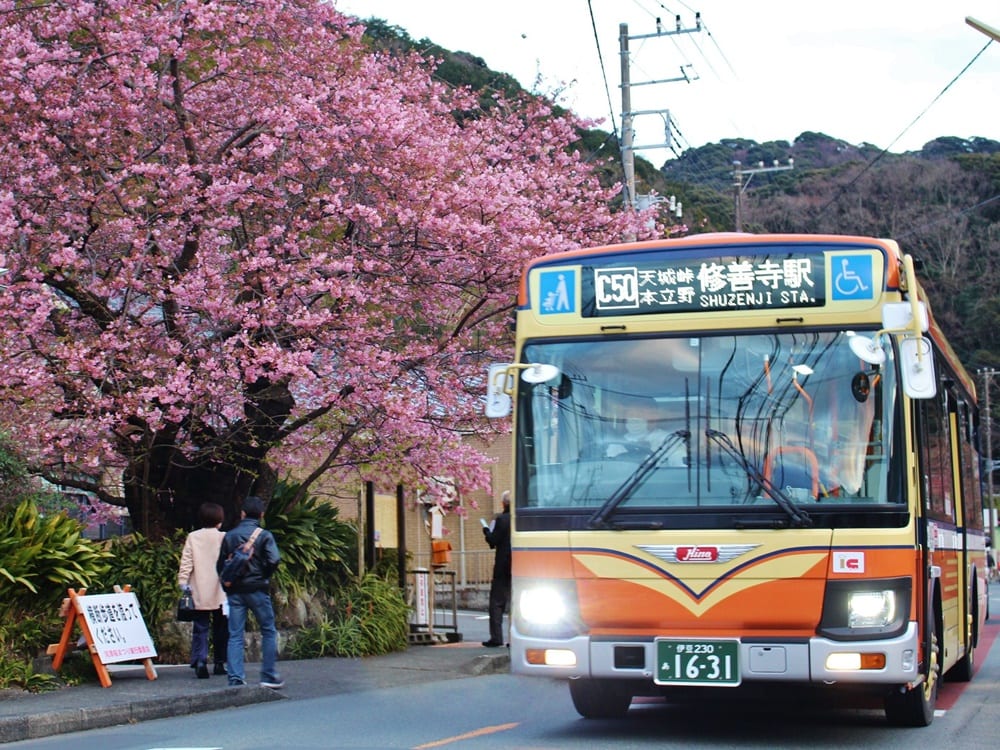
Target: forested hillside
{"points": [[942, 203]]}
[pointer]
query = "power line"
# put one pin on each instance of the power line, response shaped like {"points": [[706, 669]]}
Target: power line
{"points": [[721, 53], [950, 217], [844, 188], [604, 72], [943, 92]]}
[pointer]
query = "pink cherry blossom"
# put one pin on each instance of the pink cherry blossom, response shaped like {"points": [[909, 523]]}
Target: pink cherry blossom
{"points": [[242, 243]]}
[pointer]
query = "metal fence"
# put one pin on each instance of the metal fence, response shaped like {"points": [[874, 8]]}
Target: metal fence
{"points": [[472, 569]]}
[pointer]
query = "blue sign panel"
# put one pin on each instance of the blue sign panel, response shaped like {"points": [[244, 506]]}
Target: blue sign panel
{"points": [[851, 277], [557, 290]]}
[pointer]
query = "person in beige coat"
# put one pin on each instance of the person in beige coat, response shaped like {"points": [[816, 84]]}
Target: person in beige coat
{"points": [[198, 573]]}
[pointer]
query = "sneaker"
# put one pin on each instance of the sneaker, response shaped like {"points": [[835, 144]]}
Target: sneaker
{"points": [[201, 670], [220, 668], [273, 684], [237, 682]]}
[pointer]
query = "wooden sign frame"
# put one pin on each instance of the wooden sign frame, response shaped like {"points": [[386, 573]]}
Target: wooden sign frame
{"points": [[72, 610]]}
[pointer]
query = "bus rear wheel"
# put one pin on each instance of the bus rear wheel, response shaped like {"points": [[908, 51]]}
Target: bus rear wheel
{"points": [[600, 699], [965, 667], [915, 707]]}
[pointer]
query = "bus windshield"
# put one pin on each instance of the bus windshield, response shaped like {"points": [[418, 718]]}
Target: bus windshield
{"points": [[794, 421]]}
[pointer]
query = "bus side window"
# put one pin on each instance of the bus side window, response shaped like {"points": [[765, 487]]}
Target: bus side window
{"points": [[934, 442]]}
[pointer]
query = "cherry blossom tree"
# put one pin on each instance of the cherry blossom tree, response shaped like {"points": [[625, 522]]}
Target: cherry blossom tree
{"points": [[238, 241]]}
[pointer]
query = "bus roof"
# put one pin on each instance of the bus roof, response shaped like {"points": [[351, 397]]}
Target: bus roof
{"points": [[713, 239]]}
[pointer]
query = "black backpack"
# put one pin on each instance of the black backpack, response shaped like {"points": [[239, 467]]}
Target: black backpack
{"points": [[238, 562]]}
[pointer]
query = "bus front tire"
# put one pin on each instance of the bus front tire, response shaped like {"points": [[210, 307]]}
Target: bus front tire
{"points": [[600, 699], [915, 707]]}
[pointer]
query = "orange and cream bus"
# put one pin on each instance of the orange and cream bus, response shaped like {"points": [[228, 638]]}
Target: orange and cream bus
{"points": [[741, 460]]}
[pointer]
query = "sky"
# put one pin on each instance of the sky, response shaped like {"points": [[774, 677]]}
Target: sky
{"points": [[880, 71]]}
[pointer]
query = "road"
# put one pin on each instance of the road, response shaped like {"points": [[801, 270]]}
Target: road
{"points": [[504, 711]]}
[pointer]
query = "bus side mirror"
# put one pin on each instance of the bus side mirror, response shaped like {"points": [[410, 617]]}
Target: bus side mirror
{"points": [[499, 386], [917, 365]]}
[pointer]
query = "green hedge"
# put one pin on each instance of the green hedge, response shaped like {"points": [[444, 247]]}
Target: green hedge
{"points": [[43, 555]]}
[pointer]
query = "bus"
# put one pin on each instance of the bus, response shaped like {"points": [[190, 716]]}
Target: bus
{"points": [[741, 460]]}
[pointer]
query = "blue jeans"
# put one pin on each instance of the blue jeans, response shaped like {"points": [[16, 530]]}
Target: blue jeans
{"points": [[258, 602]]}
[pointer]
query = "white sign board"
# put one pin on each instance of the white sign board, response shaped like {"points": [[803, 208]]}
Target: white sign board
{"points": [[116, 625], [421, 580]]}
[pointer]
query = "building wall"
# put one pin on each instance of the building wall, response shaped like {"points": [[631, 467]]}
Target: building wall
{"points": [[471, 558]]}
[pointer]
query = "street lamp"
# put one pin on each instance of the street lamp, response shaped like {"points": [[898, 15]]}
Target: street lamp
{"points": [[982, 27]]}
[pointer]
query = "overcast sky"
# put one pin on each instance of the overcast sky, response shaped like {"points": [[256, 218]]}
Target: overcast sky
{"points": [[863, 72]]}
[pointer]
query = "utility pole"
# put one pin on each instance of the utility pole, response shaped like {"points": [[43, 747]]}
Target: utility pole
{"points": [[987, 418], [628, 115], [739, 186], [628, 155]]}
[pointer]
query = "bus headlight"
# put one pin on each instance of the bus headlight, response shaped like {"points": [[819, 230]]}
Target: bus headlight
{"points": [[546, 608], [862, 609], [871, 609], [541, 605]]}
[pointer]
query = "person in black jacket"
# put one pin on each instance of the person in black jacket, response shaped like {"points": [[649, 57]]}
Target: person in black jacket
{"points": [[252, 593], [498, 537]]}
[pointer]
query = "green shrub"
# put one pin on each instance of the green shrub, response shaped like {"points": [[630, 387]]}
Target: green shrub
{"points": [[17, 672], [313, 641], [370, 618], [150, 569], [43, 556], [387, 563], [316, 546], [21, 636]]}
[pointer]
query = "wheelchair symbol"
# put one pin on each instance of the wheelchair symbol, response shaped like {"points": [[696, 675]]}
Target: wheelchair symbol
{"points": [[848, 283]]}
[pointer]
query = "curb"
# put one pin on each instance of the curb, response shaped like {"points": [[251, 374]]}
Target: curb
{"points": [[46, 724], [489, 664]]}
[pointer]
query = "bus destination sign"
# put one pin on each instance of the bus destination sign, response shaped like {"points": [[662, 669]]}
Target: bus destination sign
{"points": [[704, 285]]}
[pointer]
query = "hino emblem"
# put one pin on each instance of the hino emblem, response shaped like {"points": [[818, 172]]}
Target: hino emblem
{"points": [[697, 553]]}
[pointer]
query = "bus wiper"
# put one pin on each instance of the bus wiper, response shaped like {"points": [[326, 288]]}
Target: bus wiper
{"points": [[798, 517], [636, 478]]}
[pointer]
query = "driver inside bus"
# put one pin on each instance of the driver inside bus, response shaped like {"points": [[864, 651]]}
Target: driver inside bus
{"points": [[640, 423]]}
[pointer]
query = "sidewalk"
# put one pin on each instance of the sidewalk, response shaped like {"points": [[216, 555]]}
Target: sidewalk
{"points": [[176, 691]]}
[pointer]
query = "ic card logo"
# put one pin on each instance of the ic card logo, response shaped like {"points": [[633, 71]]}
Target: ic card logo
{"points": [[848, 562]]}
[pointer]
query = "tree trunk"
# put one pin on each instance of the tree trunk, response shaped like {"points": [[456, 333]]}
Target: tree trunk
{"points": [[164, 487], [164, 495]]}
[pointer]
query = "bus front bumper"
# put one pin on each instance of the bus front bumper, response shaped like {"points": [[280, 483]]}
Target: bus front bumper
{"points": [[813, 660]]}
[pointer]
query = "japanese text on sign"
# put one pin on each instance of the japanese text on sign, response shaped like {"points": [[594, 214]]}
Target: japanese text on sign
{"points": [[690, 285], [116, 624]]}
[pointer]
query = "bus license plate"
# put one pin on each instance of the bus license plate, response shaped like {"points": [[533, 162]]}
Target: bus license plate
{"points": [[686, 662]]}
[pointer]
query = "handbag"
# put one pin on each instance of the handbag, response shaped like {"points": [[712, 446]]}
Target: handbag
{"points": [[185, 607]]}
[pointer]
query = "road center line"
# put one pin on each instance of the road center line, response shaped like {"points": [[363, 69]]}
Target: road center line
{"points": [[468, 735]]}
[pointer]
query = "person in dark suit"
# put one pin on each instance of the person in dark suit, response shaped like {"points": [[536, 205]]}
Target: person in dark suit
{"points": [[498, 537]]}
